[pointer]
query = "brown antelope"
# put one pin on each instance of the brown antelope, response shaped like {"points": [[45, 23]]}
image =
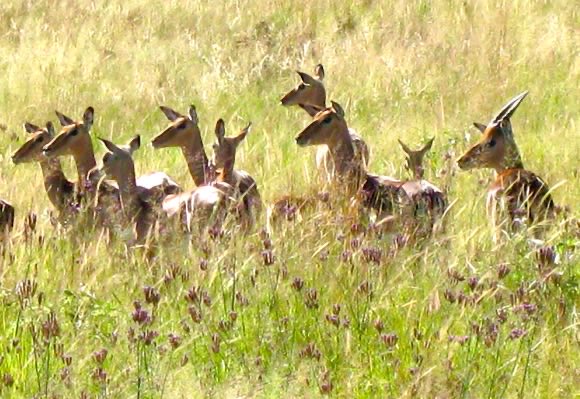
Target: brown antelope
{"points": [[118, 165], [61, 192], [517, 191], [426, 198], [310, 95], [330, 128], [183, 132], [224, 159], [74, 139], [6, 217]]}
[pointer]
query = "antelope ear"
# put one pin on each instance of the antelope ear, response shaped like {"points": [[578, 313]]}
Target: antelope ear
{"points": [[480, 126], [319, 72], [427, 146], [110, 146], [134, 144], [338, 109], [220, 130], [404, 147], [88, 117], [240, 137], [170, 113], [63, 119], [306, 78], [50, 128], [193, 114], [30, 128]]}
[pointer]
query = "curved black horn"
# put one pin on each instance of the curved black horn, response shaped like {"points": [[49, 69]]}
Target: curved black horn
{"points": [[508, 109]]}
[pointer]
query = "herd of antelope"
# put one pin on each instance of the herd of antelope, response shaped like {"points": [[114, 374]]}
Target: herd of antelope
{"points": [[115, 198]]}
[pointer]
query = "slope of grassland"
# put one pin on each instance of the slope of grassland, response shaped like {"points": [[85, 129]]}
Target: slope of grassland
{"points": [[340, 310]]}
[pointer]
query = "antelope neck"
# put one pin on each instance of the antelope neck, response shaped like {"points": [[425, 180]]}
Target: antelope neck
{"points": [[197, 163], [128, 192], [54, 180], [511, 159], [85, 161]]}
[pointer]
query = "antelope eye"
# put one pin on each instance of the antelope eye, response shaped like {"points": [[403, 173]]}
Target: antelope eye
{"points": [[327, 120], [74, 132], [181, 126], [301, 86], [491, 143], [39, 139]]}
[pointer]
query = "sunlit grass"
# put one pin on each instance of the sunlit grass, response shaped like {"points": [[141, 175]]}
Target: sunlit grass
{"points": [[425, 321]]}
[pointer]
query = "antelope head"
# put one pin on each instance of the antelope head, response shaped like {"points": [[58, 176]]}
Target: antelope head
{"points": [[74, 138], [328, 127], [225, 148], [414, 158], [31, 150], [118, 162], [310, 93], [496, 148], [180, 131]]}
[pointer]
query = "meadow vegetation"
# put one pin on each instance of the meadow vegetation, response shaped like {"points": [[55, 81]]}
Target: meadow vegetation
{"points": [[318, 305]]}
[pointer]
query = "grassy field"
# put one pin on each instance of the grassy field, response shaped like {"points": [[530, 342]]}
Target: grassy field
{"points": [[341, 310]]}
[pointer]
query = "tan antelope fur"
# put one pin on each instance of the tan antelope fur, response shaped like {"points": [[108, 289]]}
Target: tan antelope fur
{"points": [[61, 191], [516, 193], [74, 139], [245, 187], [427, 199], [183, 132], [310, 95], [118, 165], [350, 178]]}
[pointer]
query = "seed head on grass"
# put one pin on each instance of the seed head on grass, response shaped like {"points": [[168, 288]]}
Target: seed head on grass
{"points": [[100, 356], [215, 343], [194, 313], [310, 351], [297, 284], [390, 340], [517, 333], [25, 290], [311, 298], [503, 270], [174, 340], [152, 295], [50, 327], [140, 316]]}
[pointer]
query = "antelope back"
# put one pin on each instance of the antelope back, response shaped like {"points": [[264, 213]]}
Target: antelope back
{"points": [[31, 150], [181, 131], [496, 148], [328, 127], [74, 138], [310, 93]]}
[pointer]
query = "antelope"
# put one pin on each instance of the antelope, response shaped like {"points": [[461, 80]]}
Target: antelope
{"points": [[330, 128], [517, 191], [224, 159], [74, 139], [60, 190], [183, 132], [6, 216], [118, 165], [310, 95], [426, 198]]}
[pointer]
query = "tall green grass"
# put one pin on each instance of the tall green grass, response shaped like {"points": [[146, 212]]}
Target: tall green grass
{"points": [[356, 327]]}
